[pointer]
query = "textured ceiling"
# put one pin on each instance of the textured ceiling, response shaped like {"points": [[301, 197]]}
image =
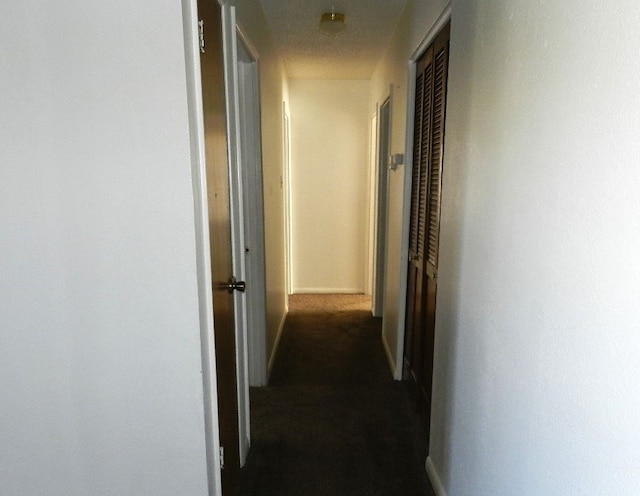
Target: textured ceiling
{"points": [[310, 54]]}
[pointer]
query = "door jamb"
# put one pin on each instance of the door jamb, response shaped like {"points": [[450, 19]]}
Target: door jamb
{"points": [[381, 210], [201, 232], [372, 181], [237, 232], [286, 151], [249, 140]]}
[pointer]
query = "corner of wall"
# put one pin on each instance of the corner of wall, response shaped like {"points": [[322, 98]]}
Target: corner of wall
{"points": [[390, 359], [276, 344], [436, 482]]}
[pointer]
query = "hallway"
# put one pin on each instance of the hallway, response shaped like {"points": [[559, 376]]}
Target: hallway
{"points": [[332, 421]]}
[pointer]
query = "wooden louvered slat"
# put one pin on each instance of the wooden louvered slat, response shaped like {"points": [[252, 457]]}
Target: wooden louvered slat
{"points": [[415, 196], [435, 166], [423, 96], [424, 155]]}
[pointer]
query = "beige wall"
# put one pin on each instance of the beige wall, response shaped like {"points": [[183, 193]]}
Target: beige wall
{"points": [[273, 89], [330, 136]]}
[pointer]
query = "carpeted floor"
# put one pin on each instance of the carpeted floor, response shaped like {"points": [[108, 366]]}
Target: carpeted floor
{"points": [[332, 421]]}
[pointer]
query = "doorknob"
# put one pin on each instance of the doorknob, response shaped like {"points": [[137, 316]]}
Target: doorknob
{"points": [[234, 285]]}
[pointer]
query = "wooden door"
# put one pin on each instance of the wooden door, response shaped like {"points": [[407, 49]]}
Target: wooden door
{"points": [[415, 276], [431, 92], [215, 129]]}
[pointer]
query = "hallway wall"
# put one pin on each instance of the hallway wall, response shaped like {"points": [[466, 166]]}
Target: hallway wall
{"points": [[537, 342], [329, 152], [101, 375], [538, 316]]}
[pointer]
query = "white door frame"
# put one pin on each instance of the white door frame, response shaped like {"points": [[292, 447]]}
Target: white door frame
{"points": [[236, 187], [250, 158], [371, 205], [286, 153], [201, 231], [381, 206]]}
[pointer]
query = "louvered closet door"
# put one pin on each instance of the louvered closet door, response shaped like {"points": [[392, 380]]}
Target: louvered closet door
{"points": [[432, 234], [421, 137], [431, 93]]}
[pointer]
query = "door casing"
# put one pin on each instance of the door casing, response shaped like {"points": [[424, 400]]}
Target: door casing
{"points": [[431, 35], [201, 231], [380, 205], [250, 174]]}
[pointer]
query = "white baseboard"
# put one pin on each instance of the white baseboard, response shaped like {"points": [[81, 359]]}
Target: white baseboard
{"points": [[276, 344], [434, 478], [392, 363], [328, 291], [246, 444]]}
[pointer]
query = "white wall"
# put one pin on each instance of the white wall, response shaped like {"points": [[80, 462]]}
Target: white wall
{"points": [[273, 91], [538, 314], [329, 154], [537, 342], [101, 390]]}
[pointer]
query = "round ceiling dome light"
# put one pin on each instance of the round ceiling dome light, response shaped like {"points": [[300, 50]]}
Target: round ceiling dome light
{"points": [[332, 23]]}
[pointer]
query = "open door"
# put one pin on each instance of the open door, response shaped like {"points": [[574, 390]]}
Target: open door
{"points": [[224, 284]]}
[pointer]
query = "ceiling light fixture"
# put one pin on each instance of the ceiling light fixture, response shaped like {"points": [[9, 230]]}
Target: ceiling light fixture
{"points": [[332, 23]]}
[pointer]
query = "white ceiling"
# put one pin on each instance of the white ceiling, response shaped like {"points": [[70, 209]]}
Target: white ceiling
{"points": [[310, 54]]}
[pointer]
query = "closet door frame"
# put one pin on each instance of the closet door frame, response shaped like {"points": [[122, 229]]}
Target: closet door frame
{"points": [[441, 24]]}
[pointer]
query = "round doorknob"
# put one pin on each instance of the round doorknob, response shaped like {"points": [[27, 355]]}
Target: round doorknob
{"points": [[234, 285]]}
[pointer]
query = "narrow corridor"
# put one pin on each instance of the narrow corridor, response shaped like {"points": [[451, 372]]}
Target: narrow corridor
{"points": [[332, 420]]}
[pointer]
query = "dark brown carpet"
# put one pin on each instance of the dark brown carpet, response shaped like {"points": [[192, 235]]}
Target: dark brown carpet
{"points": [[332, 421]]}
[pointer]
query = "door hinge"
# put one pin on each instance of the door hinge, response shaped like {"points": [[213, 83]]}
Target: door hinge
{"points": [[201, 34], [221, 457]]}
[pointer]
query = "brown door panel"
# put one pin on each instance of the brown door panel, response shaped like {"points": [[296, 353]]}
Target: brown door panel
{"points": [[217, 177]]}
